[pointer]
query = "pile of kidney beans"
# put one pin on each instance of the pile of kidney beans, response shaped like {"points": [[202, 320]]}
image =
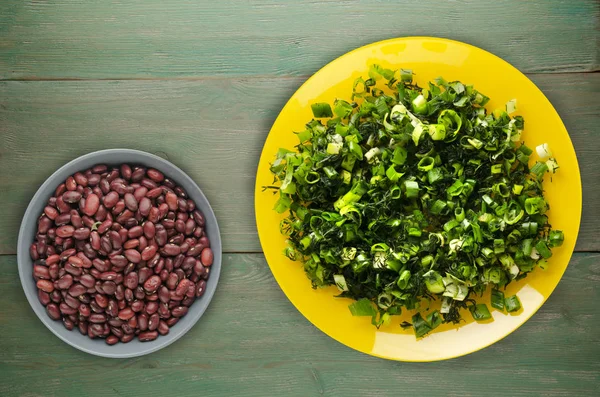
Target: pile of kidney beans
{"points": [[120, 253]]}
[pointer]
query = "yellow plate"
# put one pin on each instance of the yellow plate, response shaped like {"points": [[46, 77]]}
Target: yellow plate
{"points": [[428, 58]]}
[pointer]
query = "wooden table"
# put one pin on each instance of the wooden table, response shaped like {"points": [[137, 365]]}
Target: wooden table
{"points": [[200, 83]]}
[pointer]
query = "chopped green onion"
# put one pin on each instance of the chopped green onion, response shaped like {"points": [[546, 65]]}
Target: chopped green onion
{"points": [[321, 110], [362, 307], [543, 151], [397, 205], [497, 299], [512, 304], [480, 312]]}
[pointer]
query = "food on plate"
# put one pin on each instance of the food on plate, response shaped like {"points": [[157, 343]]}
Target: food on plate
{"points": [[401, 195]]}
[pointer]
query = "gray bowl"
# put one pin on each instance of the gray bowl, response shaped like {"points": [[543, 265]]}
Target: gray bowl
{"points": [[29, 228]]}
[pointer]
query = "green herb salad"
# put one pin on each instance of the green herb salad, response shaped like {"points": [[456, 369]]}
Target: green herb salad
{"points": [[406, 195]]}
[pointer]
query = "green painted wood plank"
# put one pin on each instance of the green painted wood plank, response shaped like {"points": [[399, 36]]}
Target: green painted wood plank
{"points": [[252, 341], [143, 38], [213, 129]]}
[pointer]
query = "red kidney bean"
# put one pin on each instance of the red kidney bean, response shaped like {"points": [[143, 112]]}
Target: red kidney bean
{"points": [[200, 288], [137, 306], [163, 294], [97, 318], [155, 175], [189, 227], [43, 297], [66, 309], [71, 197], [179, 226], [41, 272], [112, 340], [62, 219], [170, 250], [81, 233], [131, 280], [191, 206], [142, 320], [80, 179], [101, 265], [84, 310], [64, 282], [109, 287], [126, 314], [92, 203], [143, 243], [135, 232], [101, 300], [123, 233], [163, 328], [53, 271], [101, 214], [188, 263], [62, 206], [145, 206], [147, 336], [163, 310], [112, 308], [129, 244], [77, 289], [148, 253], [45, 285], [182, 287], [148, 183], [104, 186], [118, 208], [149, 230], [144, 274], [93, 179], [124, 216], [133, 256], [153, 322], [53, 311], [130, 202], [105, 226], [60, 189], [111, 199], [151, 307], [55, 296], [154, 193], [115, 240], [140, 193], [171, 200], [161, 235], [138, 174], [198, 217], [44, 224], [65, 231], [154, 215], [87, 280], [179, 311], [195, 250], [126, 171], [207, 257], [33, 252], [152, 284], [99, 168]]}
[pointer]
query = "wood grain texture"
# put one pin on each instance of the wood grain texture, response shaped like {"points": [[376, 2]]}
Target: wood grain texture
{"points": [[214, 130], [156, 38], [252, 341]]}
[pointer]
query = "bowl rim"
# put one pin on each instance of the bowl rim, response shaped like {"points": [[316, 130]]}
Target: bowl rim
{"points": [[24, 242]]}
